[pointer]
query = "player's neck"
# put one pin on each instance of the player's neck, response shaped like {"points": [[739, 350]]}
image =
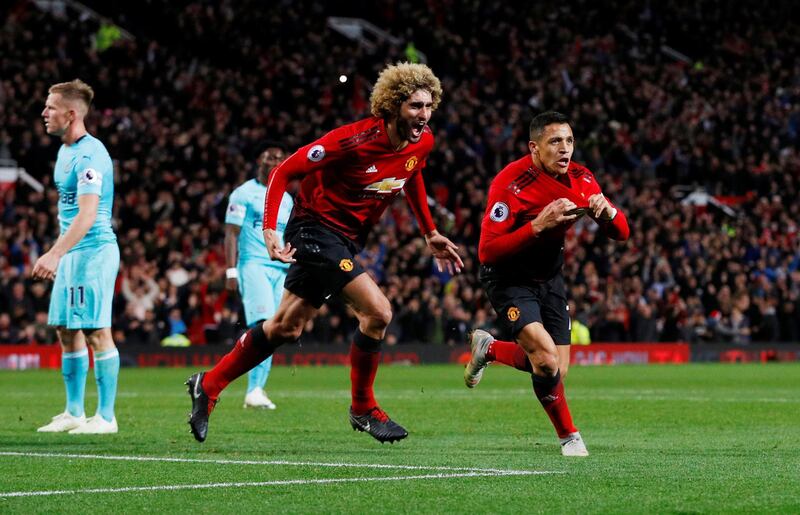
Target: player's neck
{"points": [[395, 140], [75, 131]]}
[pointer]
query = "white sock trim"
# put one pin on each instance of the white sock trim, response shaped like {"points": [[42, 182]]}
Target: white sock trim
{"points": [[76, 354], [109, 354]]}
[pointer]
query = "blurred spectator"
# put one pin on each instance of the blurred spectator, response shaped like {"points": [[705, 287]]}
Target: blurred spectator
{"points": [[176, 323], [184, 113], [734, 326], [8, 332], [140, 292], [413, 323], [579, 332], [21, 305], [644, 324]]}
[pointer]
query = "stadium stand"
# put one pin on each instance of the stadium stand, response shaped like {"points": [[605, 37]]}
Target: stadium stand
{"points": [[690, 122]]}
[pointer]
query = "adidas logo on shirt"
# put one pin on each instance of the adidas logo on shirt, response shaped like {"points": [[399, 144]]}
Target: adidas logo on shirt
{"points": [[372, 169]]}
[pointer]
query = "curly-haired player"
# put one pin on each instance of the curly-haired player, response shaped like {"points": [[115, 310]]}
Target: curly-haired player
{"points": [[348, 179]]}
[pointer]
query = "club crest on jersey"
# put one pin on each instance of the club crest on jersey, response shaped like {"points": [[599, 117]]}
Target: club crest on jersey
{"points": [[499, 212], [386, 186], [346, 265], [316, 153], [411, 163], [90, 176], [513, 313], [372, 169]]}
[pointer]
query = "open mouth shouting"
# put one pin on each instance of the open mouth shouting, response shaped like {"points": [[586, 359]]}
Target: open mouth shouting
{"points": [[415, 130]]}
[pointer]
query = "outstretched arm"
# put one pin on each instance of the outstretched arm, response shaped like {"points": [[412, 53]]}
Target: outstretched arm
{"points": [[231, 255], [444, 251], [295, 166], [320, 154], [417, 199]]}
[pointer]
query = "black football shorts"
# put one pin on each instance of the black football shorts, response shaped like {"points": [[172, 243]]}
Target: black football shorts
{"points": [[325, 261], [519, 304]]}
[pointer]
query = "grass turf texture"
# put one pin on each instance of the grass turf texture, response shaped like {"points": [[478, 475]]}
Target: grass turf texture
{"points": [[694, 438]]}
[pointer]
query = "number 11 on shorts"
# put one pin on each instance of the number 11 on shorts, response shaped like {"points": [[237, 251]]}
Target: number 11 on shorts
{"points": [[81, 296]]}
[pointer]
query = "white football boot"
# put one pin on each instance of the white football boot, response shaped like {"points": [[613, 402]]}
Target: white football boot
{"points": [[479, 342], [96, 425], [573, 445], [63, 422], [258, 399]]}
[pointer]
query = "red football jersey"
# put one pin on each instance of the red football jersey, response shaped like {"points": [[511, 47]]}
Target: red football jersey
{"points": [[350, 176], [516, 196]]}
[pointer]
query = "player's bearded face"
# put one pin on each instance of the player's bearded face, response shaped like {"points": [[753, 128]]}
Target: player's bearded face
{"points": [[56, 115], [414, 115], [553, 149]]}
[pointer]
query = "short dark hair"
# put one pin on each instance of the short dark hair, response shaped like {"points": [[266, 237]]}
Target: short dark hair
{"points": [[540, 121]]}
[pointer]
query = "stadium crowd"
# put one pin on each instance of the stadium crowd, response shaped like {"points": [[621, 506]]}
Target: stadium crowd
{"points": [[186, 106]]}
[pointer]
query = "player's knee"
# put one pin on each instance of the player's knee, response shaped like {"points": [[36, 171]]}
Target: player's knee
{"points": [[285, 331], [68, 338], [564, 369], [99, 339], [65, 336], [545, 363], [380, 318]]}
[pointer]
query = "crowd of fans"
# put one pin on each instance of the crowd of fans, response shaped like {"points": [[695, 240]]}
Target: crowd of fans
{"points": [[185, 107]]}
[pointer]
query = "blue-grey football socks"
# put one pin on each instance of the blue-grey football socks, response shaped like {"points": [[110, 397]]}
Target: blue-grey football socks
{"points": [[106, 371], [74, 368]]}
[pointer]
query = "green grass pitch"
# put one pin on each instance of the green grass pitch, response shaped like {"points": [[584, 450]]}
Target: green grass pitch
{"points": [[663, 439]]}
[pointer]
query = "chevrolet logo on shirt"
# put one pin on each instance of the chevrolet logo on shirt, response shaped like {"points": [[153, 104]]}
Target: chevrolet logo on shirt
{"points": [[387, 185]]}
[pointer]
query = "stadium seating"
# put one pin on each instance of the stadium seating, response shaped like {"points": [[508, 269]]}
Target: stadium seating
{"points": [[664, 102]]}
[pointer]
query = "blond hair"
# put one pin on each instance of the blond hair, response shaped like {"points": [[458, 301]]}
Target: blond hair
{"points": [[397, 82], [74, 90]]}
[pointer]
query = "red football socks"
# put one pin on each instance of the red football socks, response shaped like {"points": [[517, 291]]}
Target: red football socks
{"points": [[365, 354], [550, 392], [252, 348], [509, 353]]}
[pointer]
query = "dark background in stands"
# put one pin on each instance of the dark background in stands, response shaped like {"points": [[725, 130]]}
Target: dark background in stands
{"points": [[185, 109]]}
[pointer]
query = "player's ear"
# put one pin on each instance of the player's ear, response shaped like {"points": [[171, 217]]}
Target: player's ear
{"points": [[533, 148]]}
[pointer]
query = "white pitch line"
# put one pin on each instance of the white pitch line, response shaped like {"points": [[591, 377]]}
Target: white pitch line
{"points": [[486, 395], [665, 398], [262, 483], [490, 471]]}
